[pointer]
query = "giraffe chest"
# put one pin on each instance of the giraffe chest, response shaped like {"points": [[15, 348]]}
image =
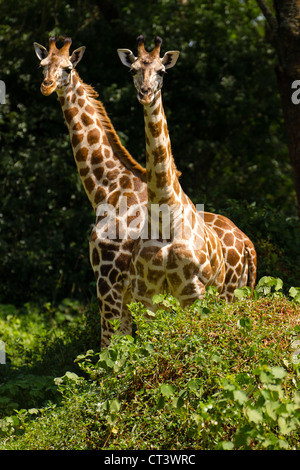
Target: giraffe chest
{"points": [[164, 265], [120, 217], [155, 260]]}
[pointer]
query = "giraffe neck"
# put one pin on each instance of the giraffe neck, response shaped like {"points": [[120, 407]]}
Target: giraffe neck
{"points": [[100, 158], [162, 180]]}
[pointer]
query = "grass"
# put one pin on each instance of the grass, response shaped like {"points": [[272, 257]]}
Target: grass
{"points": [[214, 376]]}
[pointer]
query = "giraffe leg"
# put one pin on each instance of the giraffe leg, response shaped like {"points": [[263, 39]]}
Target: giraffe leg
{"points": [[189, 291], [107, 329], [113, 306]]}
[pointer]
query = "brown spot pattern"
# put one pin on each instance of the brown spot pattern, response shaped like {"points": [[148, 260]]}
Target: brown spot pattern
{"points": [[159, 154], [81, 154], [89, 184], [77, 139], [86, 120], [155, 128], [93, 136], [100, 195], [70, 114], [89, 109]]}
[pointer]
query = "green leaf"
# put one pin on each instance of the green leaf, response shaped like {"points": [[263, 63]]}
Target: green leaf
{"points": [[167, 390], [150, 313], [295, 293], [278, 372], [240, 396], [283, 444], [265, 284], [115, 322], [115, 405], [242, 437], [242, 292], [283, 426], [112, 419], [194, 384], [278, 284], [71, 376], [245, 322], [212, 291], [227, 445], [271, 408], [216, 358], [178, 402], [157, 299], [254, 415], [160, 403]]}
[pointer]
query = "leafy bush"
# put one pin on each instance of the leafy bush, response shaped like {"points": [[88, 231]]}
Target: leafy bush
{"points": [[213, 376], [40, 345]]}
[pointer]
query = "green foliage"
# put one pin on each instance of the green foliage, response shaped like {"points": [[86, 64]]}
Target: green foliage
{"points": [[268, 286], [38, 346], [213, 376]]}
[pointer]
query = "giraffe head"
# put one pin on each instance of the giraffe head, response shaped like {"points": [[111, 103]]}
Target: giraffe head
{"points": [[57, 64], [148, 68]]}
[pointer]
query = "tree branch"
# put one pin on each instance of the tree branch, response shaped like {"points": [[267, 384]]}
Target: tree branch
{"points": [[266, 11]]}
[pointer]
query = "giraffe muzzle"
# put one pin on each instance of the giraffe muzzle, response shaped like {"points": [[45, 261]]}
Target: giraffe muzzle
{"points": [[145, 97], [47, 87]]}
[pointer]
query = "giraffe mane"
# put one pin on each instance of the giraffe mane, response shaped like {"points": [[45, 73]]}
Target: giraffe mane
{"points": [[124, 156], [120, 151]]}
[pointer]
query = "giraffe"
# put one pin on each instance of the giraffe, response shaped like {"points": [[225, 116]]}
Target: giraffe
{"points": [[105, 170], [238, 250], [186, 255], [113, 181]]}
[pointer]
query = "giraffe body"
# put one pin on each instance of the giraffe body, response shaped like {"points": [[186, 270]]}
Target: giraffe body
{"points": [[191, 257], [239, 254], [183, 267], [112, 180]]}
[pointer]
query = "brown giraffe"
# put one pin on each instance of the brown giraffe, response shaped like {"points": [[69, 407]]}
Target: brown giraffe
{"points": [[95, 169], [238, 250], [186, 254], [114, 182]]}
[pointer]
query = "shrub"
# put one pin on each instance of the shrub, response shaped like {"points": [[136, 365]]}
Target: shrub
{"points": [[213, 376]]}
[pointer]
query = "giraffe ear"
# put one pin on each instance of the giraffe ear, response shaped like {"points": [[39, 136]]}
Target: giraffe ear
{"points": [[126, 56], [170, 59], [40, 51], [77, 55]]}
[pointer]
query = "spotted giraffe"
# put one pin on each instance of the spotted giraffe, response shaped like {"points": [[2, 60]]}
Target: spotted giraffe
{"points": [[102, 180], [113, 181], [186, 255], [150, 260]]}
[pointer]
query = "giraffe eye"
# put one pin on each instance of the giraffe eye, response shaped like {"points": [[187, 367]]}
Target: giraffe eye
{"points": [[68, 69], [161, 72], [133, 72]]}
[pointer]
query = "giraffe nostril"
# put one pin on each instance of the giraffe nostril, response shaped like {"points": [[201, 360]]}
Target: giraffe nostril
{"points": [[48, 82], [145, 90]]}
